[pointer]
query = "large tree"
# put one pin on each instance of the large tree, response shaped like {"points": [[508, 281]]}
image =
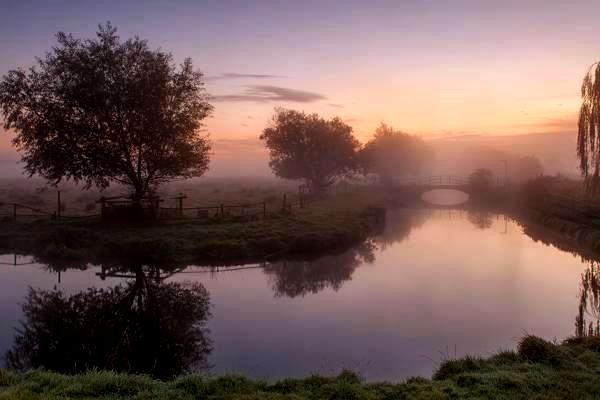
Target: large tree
{"points": [[394, 153], [102, 110], [308, 147], [588, 137]]}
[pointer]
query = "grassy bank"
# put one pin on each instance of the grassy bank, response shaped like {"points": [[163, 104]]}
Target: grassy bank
{"points": [[326, 225], [537, 370]]}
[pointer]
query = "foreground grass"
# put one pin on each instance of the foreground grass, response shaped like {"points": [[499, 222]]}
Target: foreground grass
{"points": [[327, 225], [537, 370]]}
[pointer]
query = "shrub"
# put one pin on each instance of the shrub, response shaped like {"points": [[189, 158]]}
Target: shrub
{"points": [[537, 350], [450, 368]]}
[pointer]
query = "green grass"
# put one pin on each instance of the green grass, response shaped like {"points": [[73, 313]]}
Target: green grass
{"points": [[327, 225], [537, 370]]}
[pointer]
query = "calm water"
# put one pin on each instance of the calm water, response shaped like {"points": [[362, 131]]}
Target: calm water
{"points": [[435, 284]]}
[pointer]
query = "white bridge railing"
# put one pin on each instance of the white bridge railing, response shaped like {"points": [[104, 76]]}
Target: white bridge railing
{"points": [[436, 180]]}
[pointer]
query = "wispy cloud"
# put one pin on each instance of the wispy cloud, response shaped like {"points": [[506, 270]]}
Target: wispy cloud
{"points": [[567, 122], [236, 75], [336, 105], [266, 93]]}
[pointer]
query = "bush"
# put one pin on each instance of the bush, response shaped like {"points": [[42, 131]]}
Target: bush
{"points": [[537, 350], [450, 368]]}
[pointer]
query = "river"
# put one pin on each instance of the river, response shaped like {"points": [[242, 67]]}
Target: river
{"points": [[436, 284]]}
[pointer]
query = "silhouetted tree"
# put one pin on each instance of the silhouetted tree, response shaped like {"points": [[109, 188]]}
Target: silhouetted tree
{"points": [[141, 327], [588, 137], [394, 153], [309, 147], [99, 111], [481, 180]]}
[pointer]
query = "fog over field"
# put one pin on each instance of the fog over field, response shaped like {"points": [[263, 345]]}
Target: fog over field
{"points": [[454, 155]]}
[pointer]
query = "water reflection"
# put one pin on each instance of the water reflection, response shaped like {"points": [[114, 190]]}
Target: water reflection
{"points": [[399, 225], [142, 326], [299, 278], [587, 321], [481, 219]]}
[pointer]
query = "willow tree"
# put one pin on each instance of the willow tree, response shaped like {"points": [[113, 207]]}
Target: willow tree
{"points": [[100, 111], [588, 137]]}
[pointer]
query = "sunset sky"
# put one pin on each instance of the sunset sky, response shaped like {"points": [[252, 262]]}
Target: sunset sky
{"points": [[427, 67]]}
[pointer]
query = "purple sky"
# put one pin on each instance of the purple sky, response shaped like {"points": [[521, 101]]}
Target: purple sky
{"points": [[427, 67]]}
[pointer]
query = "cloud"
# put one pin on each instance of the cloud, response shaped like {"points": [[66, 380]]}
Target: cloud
{"points": [[235, 75], [563, 123], [335, 105], [266, 93]]}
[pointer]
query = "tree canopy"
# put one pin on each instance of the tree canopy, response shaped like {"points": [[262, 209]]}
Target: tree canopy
{"points": [[309, 147], [101, 110], [588, 137], [481, 180], [394, 153]]}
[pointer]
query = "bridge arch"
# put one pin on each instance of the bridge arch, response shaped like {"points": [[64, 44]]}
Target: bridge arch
{"points": [[420, 187]]}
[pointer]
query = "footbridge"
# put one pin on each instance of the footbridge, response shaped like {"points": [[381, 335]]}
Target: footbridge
{"points": [[436, 182]]}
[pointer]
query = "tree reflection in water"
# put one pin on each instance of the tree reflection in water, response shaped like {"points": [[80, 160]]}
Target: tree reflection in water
{"points": [[482, 219], [299, 278], [143, 326], [399, 225], [589, 303]]}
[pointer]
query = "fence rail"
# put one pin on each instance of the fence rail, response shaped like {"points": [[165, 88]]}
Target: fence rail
{"points": [[435, 180], [120, 205]]}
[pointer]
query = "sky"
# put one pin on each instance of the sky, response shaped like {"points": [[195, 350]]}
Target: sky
{"points": [[428, 67]]}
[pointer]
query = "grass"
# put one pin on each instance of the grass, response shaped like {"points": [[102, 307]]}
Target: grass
{"points": [[333, 223], [537, 370]]}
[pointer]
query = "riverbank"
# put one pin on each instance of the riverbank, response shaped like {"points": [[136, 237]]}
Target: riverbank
{"points": [[328, 225], [537, 370], [559, 204]]}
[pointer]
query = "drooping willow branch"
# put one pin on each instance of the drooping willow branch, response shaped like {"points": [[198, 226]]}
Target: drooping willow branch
{"points": [[588, 135]]}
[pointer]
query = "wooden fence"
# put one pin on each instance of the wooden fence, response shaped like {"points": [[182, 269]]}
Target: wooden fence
{"points": [[116, 208]]}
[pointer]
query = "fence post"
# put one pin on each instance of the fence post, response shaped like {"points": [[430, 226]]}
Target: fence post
{"points": [[180, 204], [102, 207], [15, 212], [58, 204], [222, 210]]}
